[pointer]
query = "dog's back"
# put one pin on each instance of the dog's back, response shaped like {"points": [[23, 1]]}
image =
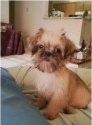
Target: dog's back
{"points": [[79, 94]]}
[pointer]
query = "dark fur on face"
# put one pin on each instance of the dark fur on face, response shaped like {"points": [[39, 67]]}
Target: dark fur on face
{"points": [[46, 59], [50, 51]]}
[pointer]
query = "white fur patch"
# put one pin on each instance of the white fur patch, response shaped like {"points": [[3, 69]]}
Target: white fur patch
{"points": [[51, 37], [49, 84]]}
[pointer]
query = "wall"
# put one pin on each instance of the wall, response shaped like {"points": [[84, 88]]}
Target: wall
{"points": [[29, 17], [29, 14], [72, 27], [5, 11]]}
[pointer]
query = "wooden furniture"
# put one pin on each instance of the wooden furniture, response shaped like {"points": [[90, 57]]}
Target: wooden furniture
{"points": [[11, 40], [69, 8]]}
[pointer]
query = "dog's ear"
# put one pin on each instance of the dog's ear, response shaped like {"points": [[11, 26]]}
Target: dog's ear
{"points": [[69, 46], [39, 33], [32, 41]]}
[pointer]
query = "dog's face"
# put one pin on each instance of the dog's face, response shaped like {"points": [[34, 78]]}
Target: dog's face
{"points": [[50, 49]]}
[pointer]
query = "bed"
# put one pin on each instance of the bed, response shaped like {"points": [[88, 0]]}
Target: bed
{"points": [[20, 67]]}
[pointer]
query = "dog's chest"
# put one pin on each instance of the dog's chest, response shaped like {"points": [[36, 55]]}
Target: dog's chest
{"points": [[48, 83]]}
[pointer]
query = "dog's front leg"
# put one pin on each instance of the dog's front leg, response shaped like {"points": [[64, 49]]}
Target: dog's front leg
{"points": [[55, 106], [40, 102]]}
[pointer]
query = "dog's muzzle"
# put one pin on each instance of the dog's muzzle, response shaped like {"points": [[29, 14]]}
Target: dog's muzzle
{"points": [[47, 55]]}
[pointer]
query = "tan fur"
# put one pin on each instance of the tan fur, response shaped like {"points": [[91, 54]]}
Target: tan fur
{"points": [[58, 87]]}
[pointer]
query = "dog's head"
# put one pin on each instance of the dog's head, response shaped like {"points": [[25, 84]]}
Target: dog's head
{"points": [[50, 49]]}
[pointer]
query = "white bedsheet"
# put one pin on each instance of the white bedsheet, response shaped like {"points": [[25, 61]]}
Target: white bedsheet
{"points": [[15, 61]]}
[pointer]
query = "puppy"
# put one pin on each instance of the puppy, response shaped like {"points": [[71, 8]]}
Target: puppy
{"points": [[59, 89]]}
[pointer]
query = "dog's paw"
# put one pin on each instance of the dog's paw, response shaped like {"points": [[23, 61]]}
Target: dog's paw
{"points": [[49, 116], [38, 104], [69, 110]]}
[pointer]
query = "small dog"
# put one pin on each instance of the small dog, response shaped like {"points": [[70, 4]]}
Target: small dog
{"points": [[59, 89]]}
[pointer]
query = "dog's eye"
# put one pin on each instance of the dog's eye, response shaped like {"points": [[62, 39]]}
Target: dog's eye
{"points": [[40, 46], [57, 50]]}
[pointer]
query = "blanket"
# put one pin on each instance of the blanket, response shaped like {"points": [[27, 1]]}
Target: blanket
{"points": [[25, 77]]}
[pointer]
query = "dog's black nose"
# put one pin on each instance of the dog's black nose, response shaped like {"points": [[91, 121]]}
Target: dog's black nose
{"points": [[47, 53]]}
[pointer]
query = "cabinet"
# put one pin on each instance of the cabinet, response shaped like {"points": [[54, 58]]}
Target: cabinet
{"points": [[69, 8]]}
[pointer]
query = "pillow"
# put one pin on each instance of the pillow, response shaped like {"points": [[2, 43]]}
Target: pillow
{"points": [[15, 110]]}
